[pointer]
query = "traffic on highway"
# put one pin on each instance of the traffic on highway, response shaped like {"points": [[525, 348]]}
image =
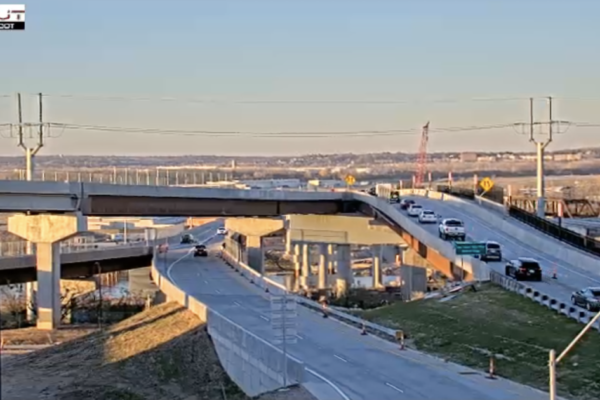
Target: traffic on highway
{"points": [[503, 253]]}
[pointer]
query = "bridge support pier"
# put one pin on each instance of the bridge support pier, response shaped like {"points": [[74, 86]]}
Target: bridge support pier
{"points": [[323, 263], [376, 272], [344, 268], [47, 231], [255, 253], [305, 279]]}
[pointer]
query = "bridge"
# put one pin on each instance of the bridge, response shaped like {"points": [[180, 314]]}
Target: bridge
{"points": [[67, 202]]}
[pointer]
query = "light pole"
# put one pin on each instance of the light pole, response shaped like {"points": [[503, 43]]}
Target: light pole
{"points": [[553, 360]]}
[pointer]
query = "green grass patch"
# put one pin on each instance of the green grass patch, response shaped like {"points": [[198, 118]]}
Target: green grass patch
{"points": [[474, 325]]}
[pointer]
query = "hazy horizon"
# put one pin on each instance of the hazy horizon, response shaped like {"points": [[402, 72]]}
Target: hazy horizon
{"points": [[322, 75]]}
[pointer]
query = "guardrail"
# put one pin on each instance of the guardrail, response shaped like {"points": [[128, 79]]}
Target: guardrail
{"points": [[584, 243], [496, 218], [255, 365], [18, 249], [273, 287]]}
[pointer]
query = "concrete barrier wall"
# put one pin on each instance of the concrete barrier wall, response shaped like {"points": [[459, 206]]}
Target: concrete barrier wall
{"points": [[253, 364], [273, 287], [496, 216]]}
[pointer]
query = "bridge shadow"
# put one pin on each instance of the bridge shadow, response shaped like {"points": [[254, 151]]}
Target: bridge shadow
{"points": [[163, 353]]}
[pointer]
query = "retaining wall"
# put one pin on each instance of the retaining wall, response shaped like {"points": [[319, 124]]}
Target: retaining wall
{"points": [[253, 364]]}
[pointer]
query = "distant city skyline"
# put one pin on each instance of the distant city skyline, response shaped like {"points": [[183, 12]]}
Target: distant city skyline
{"points": [[427, 63]]}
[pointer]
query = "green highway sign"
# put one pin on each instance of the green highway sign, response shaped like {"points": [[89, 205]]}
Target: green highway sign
{"points": [[470, 248]]}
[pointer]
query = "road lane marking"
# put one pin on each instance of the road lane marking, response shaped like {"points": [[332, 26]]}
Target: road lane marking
{"points": [[265, 318], [394, 387], [327, 381], [235, 303], [340, 358], [299, 337], [206, 282], [218, 291]]}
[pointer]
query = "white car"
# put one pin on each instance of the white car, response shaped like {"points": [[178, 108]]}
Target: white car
{"points": [[427, 217], [414, 210], [222, 231], [452, 228]]}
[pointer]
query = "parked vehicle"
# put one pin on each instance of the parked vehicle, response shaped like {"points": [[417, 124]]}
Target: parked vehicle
{"points": [[524, 268], [589, 298], [452, 228]]}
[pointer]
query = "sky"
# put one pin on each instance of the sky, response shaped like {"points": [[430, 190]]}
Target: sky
{"points": [[258, 67]]}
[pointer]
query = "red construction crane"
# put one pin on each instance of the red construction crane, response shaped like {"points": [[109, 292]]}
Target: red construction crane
{"points": [[422, 156]]}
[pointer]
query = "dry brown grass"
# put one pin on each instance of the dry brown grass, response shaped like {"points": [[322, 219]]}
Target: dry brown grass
{"points": [[163, 353]]}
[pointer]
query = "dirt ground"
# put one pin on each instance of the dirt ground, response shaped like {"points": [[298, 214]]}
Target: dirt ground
{"points": [[162, 353]]}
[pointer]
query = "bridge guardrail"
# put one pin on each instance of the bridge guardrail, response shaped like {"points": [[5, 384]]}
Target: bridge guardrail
{"points": [[582, 242], [237, 347], [580, 315]]}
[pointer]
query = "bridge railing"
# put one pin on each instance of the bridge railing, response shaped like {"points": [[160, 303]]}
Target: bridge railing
{"points": [[585, 243], [19, 248]]}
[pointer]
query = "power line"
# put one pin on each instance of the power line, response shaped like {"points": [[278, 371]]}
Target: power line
{"points": [[284, 134], [280, 101]]}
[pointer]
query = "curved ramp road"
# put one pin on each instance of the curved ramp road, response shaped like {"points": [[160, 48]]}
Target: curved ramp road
{"points": [[570, 278], [357, 367]]}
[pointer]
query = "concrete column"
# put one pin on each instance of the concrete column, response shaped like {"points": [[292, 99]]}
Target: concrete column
{"points": [[47, 231], [322, 282], [255, 253], [30, 293], [376, 267], [297, 259], [345, 264], [331, 259], [304, 280], [288, 242]]}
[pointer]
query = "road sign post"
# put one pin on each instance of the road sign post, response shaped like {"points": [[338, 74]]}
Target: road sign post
{"points": [[283, 322], [468, 249], [486, 184]]}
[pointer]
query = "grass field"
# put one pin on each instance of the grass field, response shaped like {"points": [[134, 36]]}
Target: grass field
{"points": [[519, 332]]}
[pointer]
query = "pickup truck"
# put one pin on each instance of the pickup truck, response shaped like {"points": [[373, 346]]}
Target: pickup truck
{"points": [[452, 228]]}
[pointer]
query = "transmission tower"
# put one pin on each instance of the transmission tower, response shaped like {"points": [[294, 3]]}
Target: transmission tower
{"points": [[422, 156]]}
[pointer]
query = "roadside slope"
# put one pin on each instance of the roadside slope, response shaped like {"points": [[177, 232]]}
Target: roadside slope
{"points": [[163, 353]]}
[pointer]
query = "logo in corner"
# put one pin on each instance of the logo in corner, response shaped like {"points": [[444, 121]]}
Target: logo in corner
{"points": [[12, 17]]}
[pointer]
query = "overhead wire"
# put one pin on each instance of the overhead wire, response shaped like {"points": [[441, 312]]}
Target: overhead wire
{"points": [[278, 101], [273, 134]]}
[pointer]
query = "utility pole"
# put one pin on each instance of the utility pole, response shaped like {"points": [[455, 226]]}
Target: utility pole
{"points": [[30, 152], [540, 152]]}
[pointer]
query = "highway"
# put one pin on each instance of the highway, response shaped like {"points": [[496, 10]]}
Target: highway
{"points": [[570, 278], [354, 367]]}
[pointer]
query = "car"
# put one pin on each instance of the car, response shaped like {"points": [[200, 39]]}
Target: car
{"points": [[200, 251], [414, 210], [493, 251], [452, 228], [524, 268], [222, 231], [589, 298], [187, 239], [405, 203], [427, 217]]}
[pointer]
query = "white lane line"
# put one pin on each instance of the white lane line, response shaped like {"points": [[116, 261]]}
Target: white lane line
{"points": [[181, 258], [206, 282], [299, 337], [327, 381], [265, 318], [235, 303], [340, 358], [218, 291], [394, 387]]}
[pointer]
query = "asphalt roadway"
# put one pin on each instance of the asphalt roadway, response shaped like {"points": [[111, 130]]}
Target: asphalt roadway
{"points": [[570, 277], [341, 364]]}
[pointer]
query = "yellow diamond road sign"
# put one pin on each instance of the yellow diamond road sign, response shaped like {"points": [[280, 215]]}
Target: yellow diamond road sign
{"points": [[350, 180], [486, 184]]}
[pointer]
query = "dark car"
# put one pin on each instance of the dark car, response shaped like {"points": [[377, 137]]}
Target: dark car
{"points": [[589, 298], [200, 251], [187, 239], [493, 251], [395, 197], [524, 269], [405, 203]]}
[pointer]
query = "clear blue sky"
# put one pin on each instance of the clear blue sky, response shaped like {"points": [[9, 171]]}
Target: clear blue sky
{"points": [[415, 50]]}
